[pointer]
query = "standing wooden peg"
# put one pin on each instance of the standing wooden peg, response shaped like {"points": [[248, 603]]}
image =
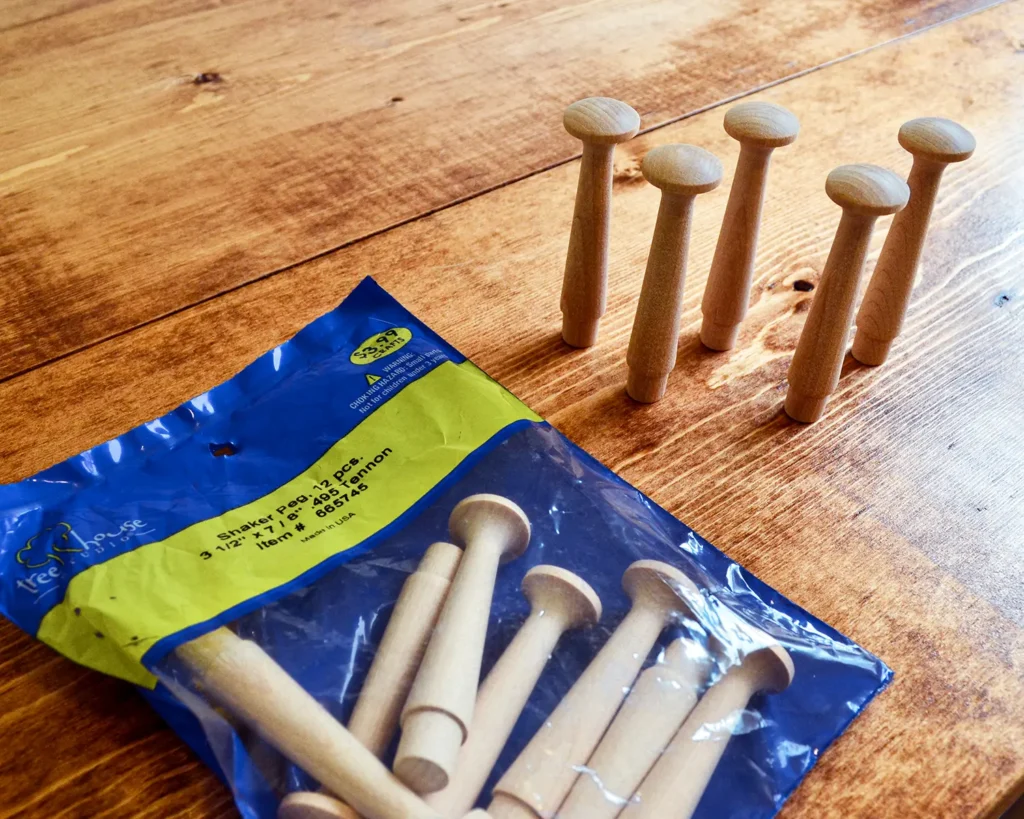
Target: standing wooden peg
{"points": [[681, 172], [935, 143], [600, 123], [559, 600], [375, 717], [659, 702], [239, 675], [760, 128], [436, 717], [675, 785], [544, 773], [864, 192]]}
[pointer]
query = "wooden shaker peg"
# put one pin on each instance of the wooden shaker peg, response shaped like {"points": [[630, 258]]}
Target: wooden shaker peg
{"points": [[239, 675], [681, 172], [320, 806], [375, 717], [437, 714], [864, 192], [600, 123], [559, 600], [935, 143], [544, 772], [760, 128], [678, 779], [659, 702]]}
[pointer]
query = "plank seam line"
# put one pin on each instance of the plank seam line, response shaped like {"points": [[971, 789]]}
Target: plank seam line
{"points": [[485, 191]]}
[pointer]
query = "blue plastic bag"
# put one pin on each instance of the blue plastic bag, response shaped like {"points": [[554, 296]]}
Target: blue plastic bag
{"points": [[291, 503]]}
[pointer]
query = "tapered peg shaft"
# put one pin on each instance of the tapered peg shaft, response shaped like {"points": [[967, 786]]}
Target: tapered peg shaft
{"points": [[559, 600], [437, 714], [600, 123], [935, 143], [681, 172], [675, 785], [375, 717], [864, 192], [240, 676], [661, 699], [760, 128], [544, 772]]}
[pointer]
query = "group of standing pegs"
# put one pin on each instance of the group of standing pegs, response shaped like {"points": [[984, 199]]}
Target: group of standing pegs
{"points": [[681, 172], [647, 745]]}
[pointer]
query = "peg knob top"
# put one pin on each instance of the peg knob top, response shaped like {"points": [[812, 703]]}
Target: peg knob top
{"points": [[937, 139], [601, 120], [555, 590], [491, 516], [683, 169], [867, 190], [655, 583], [763, 124], [772, 668], [311, 805]]}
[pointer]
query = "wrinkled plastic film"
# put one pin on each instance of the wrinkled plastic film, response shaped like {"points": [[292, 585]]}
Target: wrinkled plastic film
{"points": [[324, 625], [588, 521]]}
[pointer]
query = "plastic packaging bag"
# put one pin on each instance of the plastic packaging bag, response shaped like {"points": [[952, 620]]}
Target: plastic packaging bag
{"points": [[292, 502]]}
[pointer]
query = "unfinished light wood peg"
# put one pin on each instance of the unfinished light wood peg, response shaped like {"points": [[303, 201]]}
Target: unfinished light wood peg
{"points": [[559, 600], [675, 785], [600, 123], [864, 192], [760, 128], [536, 784], [374, 720], [320, 806], [661, 699], [681, 172], [437, 714], [240, 676], [935, 143]]}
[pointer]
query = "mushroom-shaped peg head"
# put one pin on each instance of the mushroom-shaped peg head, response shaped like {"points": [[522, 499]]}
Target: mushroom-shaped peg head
{"points": [[940, 140], [772, 667], [491, 517], [761, 124], [867, 190], [601, 120], [659, 584], [553, 590], [682, 169], [311, 805]]}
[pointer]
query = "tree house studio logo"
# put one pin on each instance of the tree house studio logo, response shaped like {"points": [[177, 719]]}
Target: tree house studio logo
{"points": [[47, 546], [46, 554]]}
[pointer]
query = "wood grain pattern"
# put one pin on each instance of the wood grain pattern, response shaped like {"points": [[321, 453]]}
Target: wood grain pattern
{"points": [[77, 745], [155, 154], [895, 518]]}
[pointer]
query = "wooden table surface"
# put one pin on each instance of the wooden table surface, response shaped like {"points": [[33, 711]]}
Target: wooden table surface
{"points": [[185, 185]]}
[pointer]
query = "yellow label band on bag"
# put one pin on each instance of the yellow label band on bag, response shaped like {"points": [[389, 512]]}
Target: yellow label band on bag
{"points": [[114, 612]]}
